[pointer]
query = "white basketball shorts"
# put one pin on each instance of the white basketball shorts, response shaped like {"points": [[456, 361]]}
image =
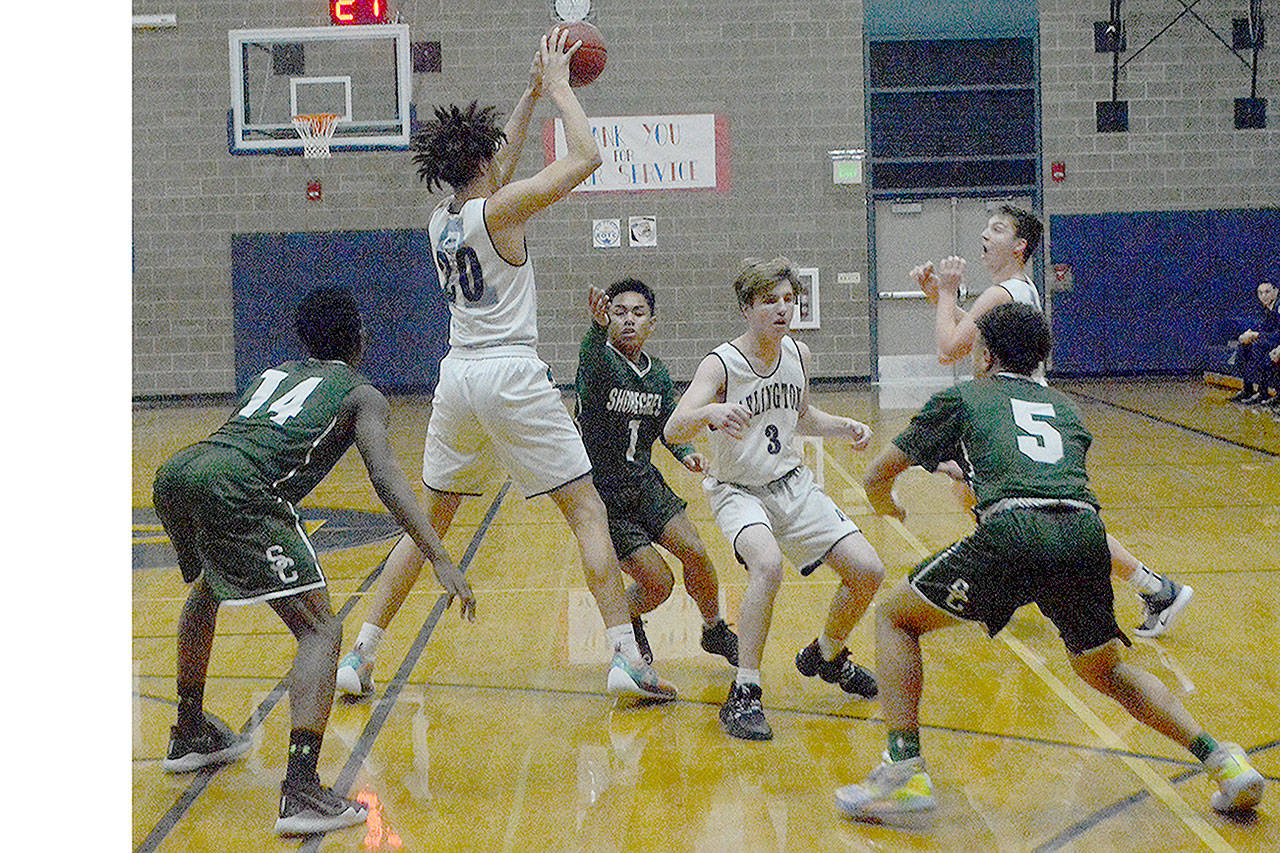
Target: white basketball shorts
{"points": [[803, 518], [504, 411]]}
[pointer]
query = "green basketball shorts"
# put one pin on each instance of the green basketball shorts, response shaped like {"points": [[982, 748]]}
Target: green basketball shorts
{"points": [[1054, 556], [224, 521]]}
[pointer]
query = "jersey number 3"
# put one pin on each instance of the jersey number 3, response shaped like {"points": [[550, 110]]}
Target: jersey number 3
{"points": [[1044, 444]]}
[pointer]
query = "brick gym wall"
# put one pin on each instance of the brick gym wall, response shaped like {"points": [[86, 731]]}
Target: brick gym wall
{"points": [[788, 78], [1182, 151]]}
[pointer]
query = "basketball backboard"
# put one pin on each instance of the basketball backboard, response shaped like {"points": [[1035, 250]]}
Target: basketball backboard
{"points": [[361, 73]]}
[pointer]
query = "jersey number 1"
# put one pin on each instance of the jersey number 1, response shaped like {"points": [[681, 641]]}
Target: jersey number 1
{"points": [[635, 437]]}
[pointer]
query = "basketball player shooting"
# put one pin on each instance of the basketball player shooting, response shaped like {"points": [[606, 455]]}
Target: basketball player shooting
{"points": [[495, 398]]}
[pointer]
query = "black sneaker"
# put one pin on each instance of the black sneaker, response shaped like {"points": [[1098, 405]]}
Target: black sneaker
{"points": [[720, 640], [1241, 395], [852, 678], [742, 715], [308, 809], [637, 626], [216, 744]]}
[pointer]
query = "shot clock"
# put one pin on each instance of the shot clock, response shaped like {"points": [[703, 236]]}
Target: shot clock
{"points": [[358, 11]]}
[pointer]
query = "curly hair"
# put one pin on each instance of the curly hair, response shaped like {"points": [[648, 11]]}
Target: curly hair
{"points": [[453, 146], [1017, 335], [757, 277], [328, 322]]}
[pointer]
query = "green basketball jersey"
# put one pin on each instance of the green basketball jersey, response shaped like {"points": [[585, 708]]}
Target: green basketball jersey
{"points": [[284, 422], [1019, 438], [621, 410]]}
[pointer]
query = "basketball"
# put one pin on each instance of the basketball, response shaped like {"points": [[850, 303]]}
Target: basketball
{"points": [[590, 58]]}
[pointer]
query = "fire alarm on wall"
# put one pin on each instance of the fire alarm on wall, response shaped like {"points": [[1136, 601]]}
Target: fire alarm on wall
{"points": [[313, 191], [1058, 172]]}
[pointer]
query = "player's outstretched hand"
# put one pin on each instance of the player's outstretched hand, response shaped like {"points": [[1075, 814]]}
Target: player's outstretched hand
{"points": [[598, 302], [450, 577], [555, 55], [535, 75], [730, 417], [926, 279], [951, 273], [695, 462], [860, 433], [885, 502]]}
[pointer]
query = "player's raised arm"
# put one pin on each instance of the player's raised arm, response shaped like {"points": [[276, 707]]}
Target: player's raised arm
{"points": [[701, 406], [516, 130], [369, 409], [956, 330], [514, 203]]}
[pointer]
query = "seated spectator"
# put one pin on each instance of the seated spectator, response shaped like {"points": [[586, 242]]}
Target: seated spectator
{"points": [[1256, 342]]}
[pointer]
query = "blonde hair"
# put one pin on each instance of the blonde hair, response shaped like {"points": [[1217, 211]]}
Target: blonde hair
{"points": [[757, 277]]}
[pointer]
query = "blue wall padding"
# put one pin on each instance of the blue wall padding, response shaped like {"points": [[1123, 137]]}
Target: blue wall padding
{"points": [[955, 19], [393, 279], [1153, 290]]}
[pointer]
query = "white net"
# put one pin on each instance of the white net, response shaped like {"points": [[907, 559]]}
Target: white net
{"points": [[316, 132]]}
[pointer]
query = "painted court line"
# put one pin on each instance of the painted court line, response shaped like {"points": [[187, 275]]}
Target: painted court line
{"points": [[1154, 782], [202, 777], [388, 702], [1101, 402]]}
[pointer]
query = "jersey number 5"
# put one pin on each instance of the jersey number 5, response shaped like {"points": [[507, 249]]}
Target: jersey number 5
{"points": [[470, 275], [1044, 444]]}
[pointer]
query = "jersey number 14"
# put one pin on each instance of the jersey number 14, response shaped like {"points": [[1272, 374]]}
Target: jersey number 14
{"points": [[289, 403]]}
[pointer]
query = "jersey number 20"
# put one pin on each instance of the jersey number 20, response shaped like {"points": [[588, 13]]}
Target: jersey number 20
{"points": [[470, 278]]}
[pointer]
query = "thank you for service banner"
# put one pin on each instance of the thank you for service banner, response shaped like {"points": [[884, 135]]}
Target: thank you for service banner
{"points": [[660, 152]]}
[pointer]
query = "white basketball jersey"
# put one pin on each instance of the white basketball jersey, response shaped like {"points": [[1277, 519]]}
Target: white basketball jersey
{"points": [[1022, 291], [765, 452], [491, 302]]}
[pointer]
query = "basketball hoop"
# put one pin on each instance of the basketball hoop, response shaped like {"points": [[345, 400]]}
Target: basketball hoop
{"points": [[316, 132]]}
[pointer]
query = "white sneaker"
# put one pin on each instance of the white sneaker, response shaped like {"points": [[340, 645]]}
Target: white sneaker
{"points": [[355, 676], [1161, 608], [1239, 785], [315, 809], [894, 791], [638, 681]]}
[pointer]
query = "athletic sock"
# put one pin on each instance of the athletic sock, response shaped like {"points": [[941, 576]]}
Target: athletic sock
{"points": [[190, 708], [747, 676], [829, 647], [623, 639], [904, 744], [304, 752], [1146, 581], [1203, 746], [708, 624], [368, 639]]}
